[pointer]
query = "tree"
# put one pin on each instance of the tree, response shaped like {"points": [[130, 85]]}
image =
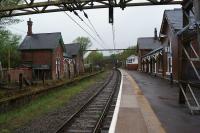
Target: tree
{"points": [[9, 54], [8, 20], [9, 48], [126, 53], [85, 43], [95, 58]]}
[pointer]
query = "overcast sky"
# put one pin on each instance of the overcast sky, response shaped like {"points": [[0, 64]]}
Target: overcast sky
{"points": [[131, 23]]}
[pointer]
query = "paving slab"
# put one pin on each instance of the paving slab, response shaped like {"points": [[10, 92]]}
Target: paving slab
{"points": [[130, 120], [135, 114]]}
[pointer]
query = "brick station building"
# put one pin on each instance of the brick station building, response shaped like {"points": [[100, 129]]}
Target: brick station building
{"points": [[163, 56], [144, 46], [43, 53], [46, 55], [132, 62], [73, 60]]}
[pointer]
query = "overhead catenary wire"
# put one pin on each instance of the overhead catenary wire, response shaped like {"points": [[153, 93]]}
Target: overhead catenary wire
{"points": [[82, 28], [86, 16], [92, 28], [82, 20]]}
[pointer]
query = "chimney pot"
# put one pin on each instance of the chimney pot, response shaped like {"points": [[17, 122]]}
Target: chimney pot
{"points": [[29, 23]]}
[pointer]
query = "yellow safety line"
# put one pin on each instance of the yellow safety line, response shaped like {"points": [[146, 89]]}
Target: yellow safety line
{"points": [[152, 122]]}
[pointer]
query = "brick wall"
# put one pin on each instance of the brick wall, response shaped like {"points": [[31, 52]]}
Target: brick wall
{"points": [[42, 57], [37, 56], [14, 74], [57, 53], [132, 66]]}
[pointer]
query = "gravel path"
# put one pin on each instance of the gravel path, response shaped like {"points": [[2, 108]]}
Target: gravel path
{"points": [[49, 122]]}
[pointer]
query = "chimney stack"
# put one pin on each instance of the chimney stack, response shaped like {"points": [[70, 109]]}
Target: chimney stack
{"points": [[155, 34], [29, 23]]}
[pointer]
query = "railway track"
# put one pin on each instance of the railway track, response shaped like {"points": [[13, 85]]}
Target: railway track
{"points": [[96, 114]]}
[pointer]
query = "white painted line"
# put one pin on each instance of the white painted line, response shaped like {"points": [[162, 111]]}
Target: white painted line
{"points": [[116, 111]]}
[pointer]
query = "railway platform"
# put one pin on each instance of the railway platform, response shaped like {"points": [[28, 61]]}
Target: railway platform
{"points": [[133, 113], [148, 104]]}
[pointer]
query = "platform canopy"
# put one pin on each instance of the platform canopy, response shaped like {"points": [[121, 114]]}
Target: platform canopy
{"points": [[26, 7]]}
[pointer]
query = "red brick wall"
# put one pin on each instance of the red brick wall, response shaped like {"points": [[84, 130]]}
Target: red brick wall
{"points": [[14, 74], [66, 69], [57, 53], [80, 65], [42, 57], [26, 56], [171, 37], [37, 56], [132, 66], [45, 57], [176, 54]]}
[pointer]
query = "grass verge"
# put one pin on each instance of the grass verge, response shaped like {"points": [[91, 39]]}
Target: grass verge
{"points": [[52, 100]]}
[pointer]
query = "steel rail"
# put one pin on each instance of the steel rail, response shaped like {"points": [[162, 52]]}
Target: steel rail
{"points": [[99, 123], [81, 109]]}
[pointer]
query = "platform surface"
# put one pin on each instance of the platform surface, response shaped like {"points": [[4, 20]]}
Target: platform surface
{"points": [[135, 114], [163, 98]]}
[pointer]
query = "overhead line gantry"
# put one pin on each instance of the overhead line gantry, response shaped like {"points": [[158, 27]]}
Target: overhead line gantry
{"points": [[27, 7], [108, 49]]}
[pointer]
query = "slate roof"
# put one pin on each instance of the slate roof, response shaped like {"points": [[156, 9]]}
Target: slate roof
{"points": [[148, 43], [41, 41], [72, 49], [174, 18]]}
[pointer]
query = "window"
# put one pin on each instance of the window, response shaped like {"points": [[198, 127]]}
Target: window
{"points": [[58, 65], [129, 60], [169, 58]]}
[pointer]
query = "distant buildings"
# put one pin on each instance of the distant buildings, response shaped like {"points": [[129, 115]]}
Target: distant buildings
{"points": [[132, 62], [144, 46]]}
